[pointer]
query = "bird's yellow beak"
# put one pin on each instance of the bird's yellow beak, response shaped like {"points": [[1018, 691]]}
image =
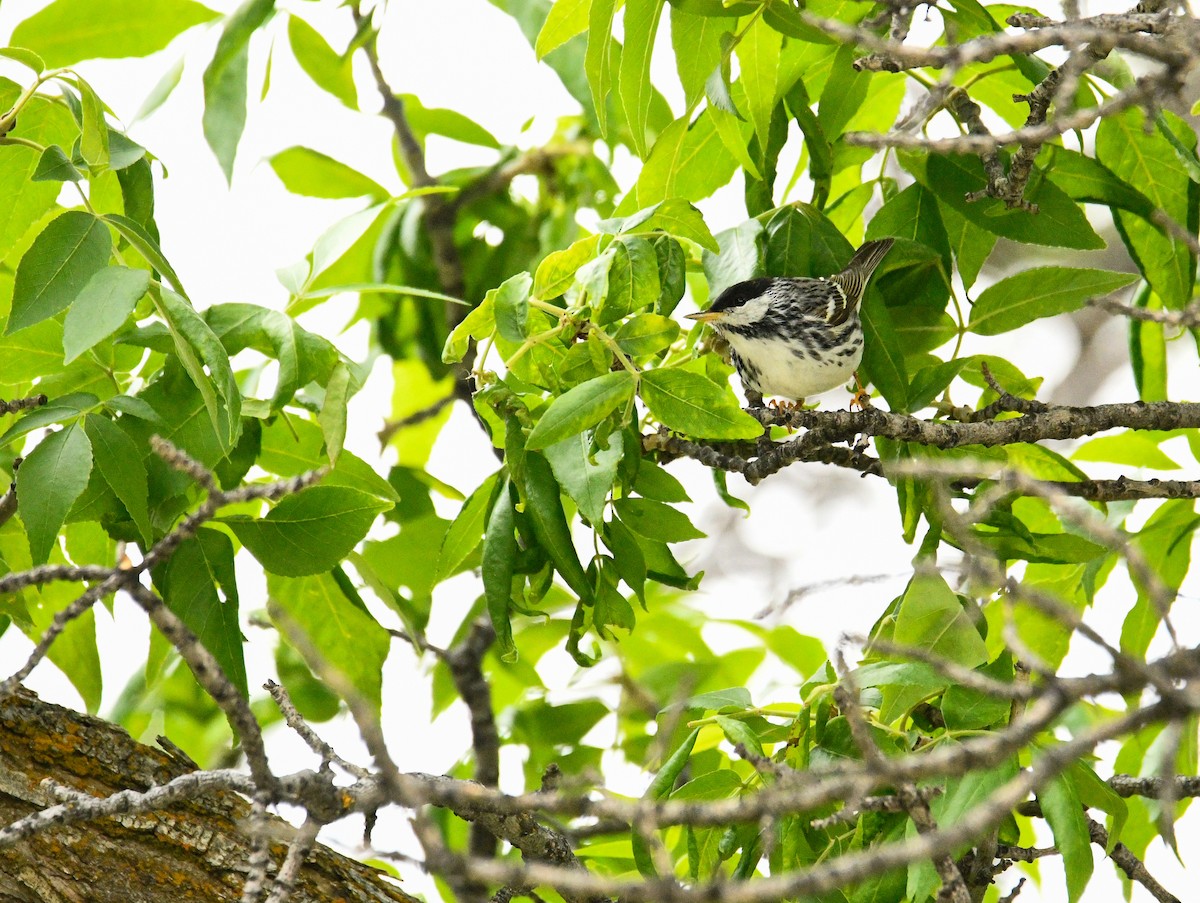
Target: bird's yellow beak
{"points": [[704, 316]]}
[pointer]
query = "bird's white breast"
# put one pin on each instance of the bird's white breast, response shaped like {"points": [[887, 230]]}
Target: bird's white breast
{"points": [[785, 374]]}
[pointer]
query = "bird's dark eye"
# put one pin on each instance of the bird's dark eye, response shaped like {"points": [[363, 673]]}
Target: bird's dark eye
{"points": [[739, 294]]}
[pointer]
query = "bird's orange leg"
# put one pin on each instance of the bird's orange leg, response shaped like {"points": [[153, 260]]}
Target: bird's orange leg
{"points": [[861, 399]]}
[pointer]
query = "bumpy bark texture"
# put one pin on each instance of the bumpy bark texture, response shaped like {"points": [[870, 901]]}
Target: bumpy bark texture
{"points": [[193, 851]]}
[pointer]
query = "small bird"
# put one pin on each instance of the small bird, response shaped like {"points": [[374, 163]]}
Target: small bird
{"points": [[796, 337]]}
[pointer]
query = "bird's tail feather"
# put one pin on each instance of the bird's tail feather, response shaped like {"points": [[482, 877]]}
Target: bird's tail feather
{"points": [[854, 277], [867, 257]]}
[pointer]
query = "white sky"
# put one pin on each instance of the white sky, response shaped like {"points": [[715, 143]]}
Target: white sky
{"points": [[815, 523]]}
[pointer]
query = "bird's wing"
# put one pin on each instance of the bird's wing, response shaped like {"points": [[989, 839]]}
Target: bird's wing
{"points": [[823, 299]]}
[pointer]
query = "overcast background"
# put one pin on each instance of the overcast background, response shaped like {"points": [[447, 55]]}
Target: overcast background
{"points": [[811, 525]]}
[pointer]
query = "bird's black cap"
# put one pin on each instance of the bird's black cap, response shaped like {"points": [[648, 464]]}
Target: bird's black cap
{"points": [[738, 294]]}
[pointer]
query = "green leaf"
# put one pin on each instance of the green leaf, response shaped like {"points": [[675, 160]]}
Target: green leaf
{"points": [[188, 582], [478, 324], [697, 43], [147, 246], [1165, 543], [447, 123], [1059, 221], [1040, 292], [225, 82], [1068, 822], [843, 93], [329, 70], [55, 166], [59, 263], [499, 567], [597, 59], [632, 280], [1148, 161], [121, 465], [738, 732], [101, 308], [689, 160], [758, 56], [582, 407], [308, 532], [556, 272], [24, 57], [303, 357], [511, 305], [198, 347], [26, 201], [341, 635], [50, 479], [740, 258], [1086, 179], [655, 520], [566, 19], [883, 363], [68, 31], [633, 77], [93, 141], [544, 505], [646, 334], [332, 418], [310, 173], [932, 617], [465, 533], [60, 410], [674, 216], [1135, 449], [585, 476], [696, 406]]}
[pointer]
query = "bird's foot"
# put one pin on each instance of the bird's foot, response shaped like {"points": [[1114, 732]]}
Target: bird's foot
{"points": [[862, 398], [787, 407]]}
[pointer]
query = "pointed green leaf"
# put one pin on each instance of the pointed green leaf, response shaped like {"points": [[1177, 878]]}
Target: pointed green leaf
{"points": [[147, 246], [1040, 292], [597, 60], [59, 263], [499, 567], [511, 304], [312, 174], [556, 272], [1068, 822], [55, 166], [329, 70], [586, 476], [225, 82], [68, 31], [544, 505], [198, 347], [188, 582], [696, 406], [121, 465], [656, 521], [566, 19], [465, 533], [1059, 221], [50, 479], [103, 306], [758, 56], [308, 532], [582, 407], [341, 635], [931, 617], [634, 88]]}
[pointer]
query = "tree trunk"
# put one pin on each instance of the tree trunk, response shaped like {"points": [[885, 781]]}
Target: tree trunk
{"points": [[192, 851]]}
